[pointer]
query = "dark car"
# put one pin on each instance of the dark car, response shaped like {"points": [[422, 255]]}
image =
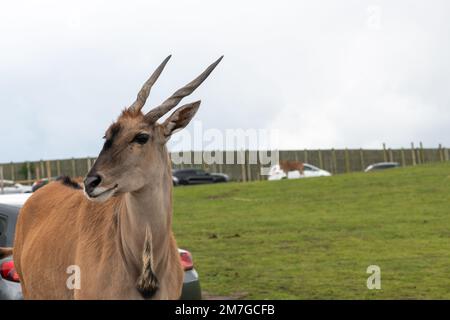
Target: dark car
{"points": [[10, 288], [382, 166], [220, 177], [198, 176]]}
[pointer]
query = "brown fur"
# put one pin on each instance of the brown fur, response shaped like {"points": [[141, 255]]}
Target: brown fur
{"points": [[291, 165], [59, 227]]}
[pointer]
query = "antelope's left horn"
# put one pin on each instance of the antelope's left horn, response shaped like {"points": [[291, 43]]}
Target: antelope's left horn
{"points": [[156, 113], [145, 91]]}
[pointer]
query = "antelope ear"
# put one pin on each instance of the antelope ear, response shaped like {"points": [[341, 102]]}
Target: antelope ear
{"points": [[180, 118]]}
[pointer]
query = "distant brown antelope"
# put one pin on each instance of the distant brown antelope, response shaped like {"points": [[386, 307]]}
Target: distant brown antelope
{"points": [[117, 231], [291, 165]]}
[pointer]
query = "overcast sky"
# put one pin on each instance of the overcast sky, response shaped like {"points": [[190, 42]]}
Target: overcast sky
{"points": [[321, 73]]}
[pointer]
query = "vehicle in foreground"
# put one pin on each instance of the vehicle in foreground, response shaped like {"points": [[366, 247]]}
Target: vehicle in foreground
{"points": [[10, 288], [382, 166], [198, 176], [309, 171], [10, 187]]}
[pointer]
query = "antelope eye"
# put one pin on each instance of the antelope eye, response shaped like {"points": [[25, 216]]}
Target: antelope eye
{"points": [[141, 138]]}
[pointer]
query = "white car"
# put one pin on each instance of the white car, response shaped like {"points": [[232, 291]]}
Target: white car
{"points": [[10, 187], [16, 200], [309, 171]]}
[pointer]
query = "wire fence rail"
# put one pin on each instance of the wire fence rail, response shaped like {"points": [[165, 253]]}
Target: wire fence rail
{"points": [[335, 161]]}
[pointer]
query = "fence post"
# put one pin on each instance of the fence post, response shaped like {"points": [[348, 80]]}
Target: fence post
{"points": [[320, 159], [440, 153], [89, 163], [74, 170], [347, 161], [445, 154], [361, 158], [13, 173], [1, 179], [28, 171], [422, 155], [37, 171], [413, 154], [403, 157], [243, 177], [204, 166], [214, 167], [49, 170], [391, 155], [384, 152], [249, 170], [333, 156], [181, 165], [58, 168], [258, 169], [418, 158], [42, 170]]}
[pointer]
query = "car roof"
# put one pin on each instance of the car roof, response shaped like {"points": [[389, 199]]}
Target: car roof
{"points": [[9, 210], [311, 166], [385, 163], [186, 170], [304, 164], [7, 181], [17, 200]]}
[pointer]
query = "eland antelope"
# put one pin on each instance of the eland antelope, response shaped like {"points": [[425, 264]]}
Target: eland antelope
{"points": [[291, 165], [110, 238]]}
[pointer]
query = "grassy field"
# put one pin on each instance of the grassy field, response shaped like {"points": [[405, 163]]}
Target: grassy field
{"points": [[314, 239]]}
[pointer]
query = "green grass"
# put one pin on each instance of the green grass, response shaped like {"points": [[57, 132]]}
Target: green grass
{"points": [[315, 238]]}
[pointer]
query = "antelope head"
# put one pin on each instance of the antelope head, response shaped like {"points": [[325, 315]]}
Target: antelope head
{"points": [[134, 153]]}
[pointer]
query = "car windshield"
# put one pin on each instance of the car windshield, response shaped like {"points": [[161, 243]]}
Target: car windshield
{"points": [[385, 166]]}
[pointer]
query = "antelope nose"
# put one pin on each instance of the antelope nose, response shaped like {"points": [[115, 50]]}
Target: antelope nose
{"points": [[91, 182]]}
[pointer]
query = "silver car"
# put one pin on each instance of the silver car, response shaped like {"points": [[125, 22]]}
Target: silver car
{"points": [[382, 166], [10, 187]]}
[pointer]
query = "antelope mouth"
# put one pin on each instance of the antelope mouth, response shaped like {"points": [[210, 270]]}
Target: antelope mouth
{"points": [[102, 194]]}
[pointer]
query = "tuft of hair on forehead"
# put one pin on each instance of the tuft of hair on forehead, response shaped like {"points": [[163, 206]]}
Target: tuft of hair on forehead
{"points": [[126, 119], [130, 113], [126, 115]]}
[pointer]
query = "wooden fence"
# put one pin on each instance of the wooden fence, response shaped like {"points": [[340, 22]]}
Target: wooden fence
{"points": [[333, 160]]}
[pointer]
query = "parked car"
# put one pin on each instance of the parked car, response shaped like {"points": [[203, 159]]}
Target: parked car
{"points": [[198, 176], [382, 166], [309, 171], [42, 182], [220, 177], [10, 288], [10, 187]]}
